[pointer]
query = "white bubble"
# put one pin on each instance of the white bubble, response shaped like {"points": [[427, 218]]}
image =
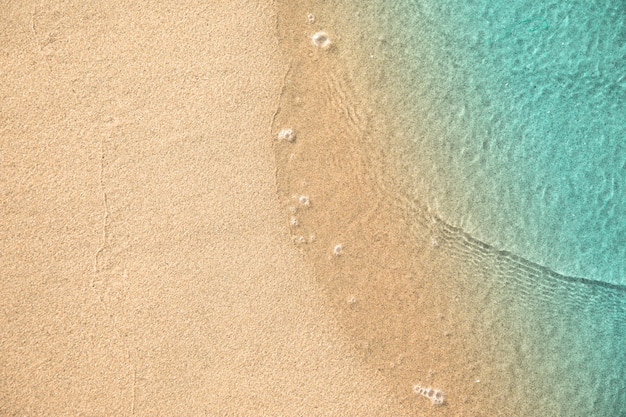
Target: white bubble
{"points": [[338, 250], [436, 396], [287, 135], [310, 18], [321, 40], [304, 201]]}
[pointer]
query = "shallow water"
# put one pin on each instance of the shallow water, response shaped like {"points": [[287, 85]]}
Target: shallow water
{"points": [[514, 129], [505, 123], [509, 120], [513, 123]]}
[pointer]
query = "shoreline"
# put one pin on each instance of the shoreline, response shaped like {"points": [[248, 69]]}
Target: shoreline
{"points": [[423, 302], [377, 285], [203, 216]]}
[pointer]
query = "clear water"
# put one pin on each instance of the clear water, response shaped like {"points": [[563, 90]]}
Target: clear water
{"points": [[515, 116], [509, 120]]}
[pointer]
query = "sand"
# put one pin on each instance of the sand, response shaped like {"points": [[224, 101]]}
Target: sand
{"points": [[147, 262], [165, 250]]}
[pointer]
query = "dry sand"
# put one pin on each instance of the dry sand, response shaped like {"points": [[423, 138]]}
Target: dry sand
{"points": [[146, 261]]}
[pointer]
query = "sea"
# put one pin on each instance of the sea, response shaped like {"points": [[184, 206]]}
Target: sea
{"points": [[508, 126]]}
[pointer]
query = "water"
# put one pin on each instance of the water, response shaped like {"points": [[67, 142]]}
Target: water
{"points": [[507, 122], [510, 120], [514, 115]]}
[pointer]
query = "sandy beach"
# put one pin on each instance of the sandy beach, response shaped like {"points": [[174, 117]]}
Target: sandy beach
{"points": [[207, 210], [147, 263]]}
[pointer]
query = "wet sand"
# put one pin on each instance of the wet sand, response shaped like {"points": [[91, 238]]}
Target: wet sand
{"points": [[373, 255]]}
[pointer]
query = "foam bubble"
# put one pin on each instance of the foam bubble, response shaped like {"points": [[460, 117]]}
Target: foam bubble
{"points": [[304, 200], [436, 396], [321, 40], [287, 135], [338, 250]]}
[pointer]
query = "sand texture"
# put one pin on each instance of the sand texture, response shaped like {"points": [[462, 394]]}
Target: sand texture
{"points": [[205, 211], [146, 261]]}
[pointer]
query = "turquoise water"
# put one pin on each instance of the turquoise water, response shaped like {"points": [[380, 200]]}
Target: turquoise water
{"points": [[520, 109], [509, 122]]}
